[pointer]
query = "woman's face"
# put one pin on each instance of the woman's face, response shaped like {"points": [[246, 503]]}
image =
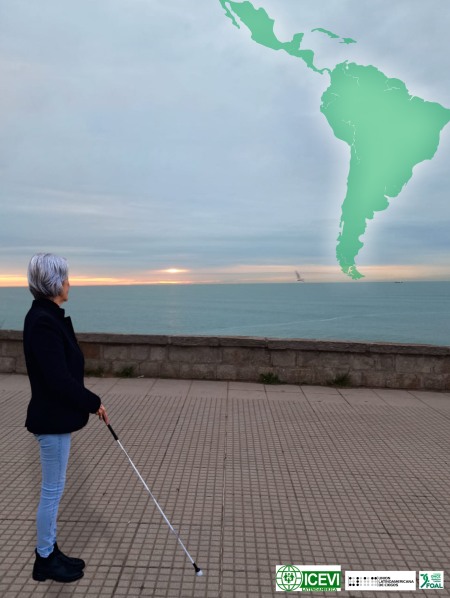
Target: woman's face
{"points": [[64, 294]]}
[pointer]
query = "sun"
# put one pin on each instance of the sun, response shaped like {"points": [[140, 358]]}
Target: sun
{"points": [[174, 270]]}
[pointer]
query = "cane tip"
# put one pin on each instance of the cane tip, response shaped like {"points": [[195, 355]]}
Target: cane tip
{"points": [[198, 571]]}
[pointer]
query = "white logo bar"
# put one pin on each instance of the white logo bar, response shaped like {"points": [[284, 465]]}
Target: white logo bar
{"points": [[381, 581]]}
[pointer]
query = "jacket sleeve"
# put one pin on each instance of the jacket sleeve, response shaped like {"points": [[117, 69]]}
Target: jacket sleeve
{"points": [[47, 346]]}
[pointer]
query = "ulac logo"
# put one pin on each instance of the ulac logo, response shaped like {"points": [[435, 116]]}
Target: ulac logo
{"points": [[308, 578]]}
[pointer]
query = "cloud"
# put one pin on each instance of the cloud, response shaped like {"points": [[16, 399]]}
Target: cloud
{"points": [[152, 134]]}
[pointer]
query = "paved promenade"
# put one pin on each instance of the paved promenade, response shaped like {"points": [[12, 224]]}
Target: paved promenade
{"points": [[252, 476]]}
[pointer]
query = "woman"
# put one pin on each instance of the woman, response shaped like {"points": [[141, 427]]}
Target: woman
{"points": [[60, 404]]}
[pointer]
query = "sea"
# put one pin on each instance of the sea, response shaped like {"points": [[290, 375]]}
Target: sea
{"points": [[409, 312]]}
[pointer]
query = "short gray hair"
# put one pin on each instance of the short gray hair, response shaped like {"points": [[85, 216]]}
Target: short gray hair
{"points": [[46, 275]]}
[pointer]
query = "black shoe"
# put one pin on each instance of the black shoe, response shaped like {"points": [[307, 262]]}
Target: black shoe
{"points": [[78, 563], [54, 568]]}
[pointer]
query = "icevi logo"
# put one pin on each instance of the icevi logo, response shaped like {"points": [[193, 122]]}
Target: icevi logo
{"points": [[288, 578], [308, 578]]}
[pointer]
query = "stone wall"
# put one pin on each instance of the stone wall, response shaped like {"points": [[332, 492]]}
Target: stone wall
{"points": [[244, 358]]}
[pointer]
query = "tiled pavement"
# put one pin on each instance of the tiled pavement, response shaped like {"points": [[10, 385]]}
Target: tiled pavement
{"points": [[252, 476]]}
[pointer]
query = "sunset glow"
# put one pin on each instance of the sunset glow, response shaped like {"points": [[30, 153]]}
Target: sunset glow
{"points": [[13, 280], [241, 273]]}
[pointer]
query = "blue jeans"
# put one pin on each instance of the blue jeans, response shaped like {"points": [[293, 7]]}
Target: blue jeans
{"points": [[55, 449]]}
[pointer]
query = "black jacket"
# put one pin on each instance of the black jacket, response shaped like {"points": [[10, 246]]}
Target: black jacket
{"points": [[59, 401]]}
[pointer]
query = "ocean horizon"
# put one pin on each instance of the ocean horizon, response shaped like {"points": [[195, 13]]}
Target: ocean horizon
{"points": [[411, 312]]}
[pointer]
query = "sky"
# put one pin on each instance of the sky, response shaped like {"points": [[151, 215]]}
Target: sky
{"points": [[150, 141]]}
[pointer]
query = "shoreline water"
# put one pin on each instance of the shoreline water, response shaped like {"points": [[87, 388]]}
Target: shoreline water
{"points": [[292, 282], [413, 312]]}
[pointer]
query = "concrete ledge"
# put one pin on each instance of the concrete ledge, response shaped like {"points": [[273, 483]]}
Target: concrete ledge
{"points": [[293, 361]]}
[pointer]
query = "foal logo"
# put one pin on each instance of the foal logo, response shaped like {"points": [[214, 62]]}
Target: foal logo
{"points": [[431, 580]]}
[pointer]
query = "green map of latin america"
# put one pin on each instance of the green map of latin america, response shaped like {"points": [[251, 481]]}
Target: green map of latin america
{"points": [[388, 130]]}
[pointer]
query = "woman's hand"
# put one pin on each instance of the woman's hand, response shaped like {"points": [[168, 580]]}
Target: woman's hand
{"points": [[102, 414]]}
